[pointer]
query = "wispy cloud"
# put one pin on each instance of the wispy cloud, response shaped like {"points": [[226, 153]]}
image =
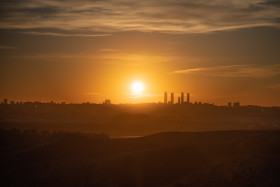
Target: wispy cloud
{"points": [[63, 34], [251, 71], [167, 16], [4, 47]]}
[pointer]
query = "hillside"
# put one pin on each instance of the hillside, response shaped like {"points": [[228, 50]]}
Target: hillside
{"points": [[222, 158]]}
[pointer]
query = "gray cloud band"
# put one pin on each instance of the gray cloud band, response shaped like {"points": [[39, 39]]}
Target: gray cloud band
{"points": [[168, 16]]}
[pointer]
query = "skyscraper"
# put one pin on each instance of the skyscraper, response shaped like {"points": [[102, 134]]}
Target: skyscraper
{"points": [[179, 100], [172, 98], [107, 102], [188, 97], [165, 97], [182, 97]]}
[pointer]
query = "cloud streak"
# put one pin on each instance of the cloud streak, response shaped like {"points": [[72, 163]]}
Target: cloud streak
{"points": [[168, 16], [249, 71], [4, 47], [63, 34]]}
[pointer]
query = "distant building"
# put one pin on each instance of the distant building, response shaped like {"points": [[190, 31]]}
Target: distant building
{"points": [[12, 102], [182, 97], [107, 102], [5, 101], [179, 100], [229, 104], [172, 98], [165, 97], [188, 97]]}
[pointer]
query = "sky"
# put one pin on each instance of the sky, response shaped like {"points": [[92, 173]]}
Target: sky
{"points": [[92, 50]]}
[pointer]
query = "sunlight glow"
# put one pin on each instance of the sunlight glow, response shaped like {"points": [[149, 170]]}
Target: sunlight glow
{"points": [[137, 87]]}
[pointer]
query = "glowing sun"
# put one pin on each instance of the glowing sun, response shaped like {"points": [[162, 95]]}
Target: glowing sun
{"points": [[137, 87]]}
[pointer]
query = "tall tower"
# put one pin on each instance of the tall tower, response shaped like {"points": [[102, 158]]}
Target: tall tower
{"points": [[188, 97], [165, 97], [172, 98], [179, 101], [182, 97]]}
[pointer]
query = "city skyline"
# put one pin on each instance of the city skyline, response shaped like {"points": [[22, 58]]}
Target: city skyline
{"points": [[165, 100]]}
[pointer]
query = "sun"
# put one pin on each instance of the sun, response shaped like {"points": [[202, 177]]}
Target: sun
{"points": [[137, 87]]}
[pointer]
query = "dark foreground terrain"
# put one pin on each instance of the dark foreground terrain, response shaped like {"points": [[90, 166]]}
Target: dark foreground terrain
{"points": [[222, 158]]}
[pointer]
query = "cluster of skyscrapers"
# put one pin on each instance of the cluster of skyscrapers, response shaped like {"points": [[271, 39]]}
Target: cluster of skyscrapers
{"points": [[181, 99], [236, 104]]}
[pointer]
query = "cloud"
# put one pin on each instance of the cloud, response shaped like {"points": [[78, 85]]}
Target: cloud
{"points": [[168, 16], [190, 70], [4, 47], [63, 34], [249, 71]]}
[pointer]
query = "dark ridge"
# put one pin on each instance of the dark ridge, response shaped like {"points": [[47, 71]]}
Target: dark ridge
{"points": [[217, 158]]}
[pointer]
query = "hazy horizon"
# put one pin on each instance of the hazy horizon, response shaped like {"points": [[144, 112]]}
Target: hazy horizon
{"points": [[15, 102]]}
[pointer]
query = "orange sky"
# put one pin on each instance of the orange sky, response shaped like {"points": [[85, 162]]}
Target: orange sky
{"points": [[90, 51]]}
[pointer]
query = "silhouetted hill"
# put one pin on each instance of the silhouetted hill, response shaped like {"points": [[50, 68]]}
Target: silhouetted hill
{"points": [[222, 158]]}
